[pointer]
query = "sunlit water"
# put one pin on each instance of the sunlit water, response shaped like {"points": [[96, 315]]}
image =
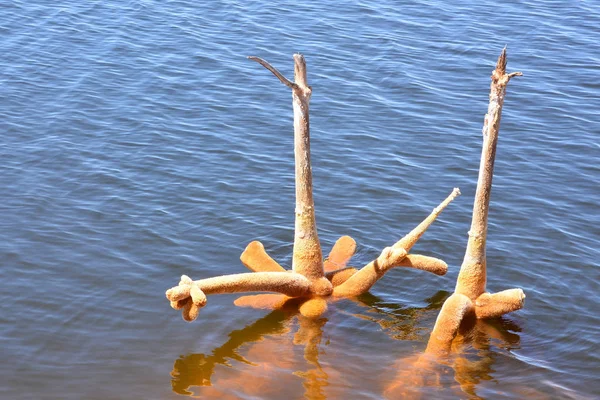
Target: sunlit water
{"points": [[138, 143]]}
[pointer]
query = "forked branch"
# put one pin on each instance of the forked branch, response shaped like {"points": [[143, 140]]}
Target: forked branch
{"points": [[391, 257], [473, 272], [308, 286], [307, 258], [287, 283], [470, 296], [274, 70]]}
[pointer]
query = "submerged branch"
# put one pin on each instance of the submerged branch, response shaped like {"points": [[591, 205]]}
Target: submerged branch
{"points": [[455, 308]]}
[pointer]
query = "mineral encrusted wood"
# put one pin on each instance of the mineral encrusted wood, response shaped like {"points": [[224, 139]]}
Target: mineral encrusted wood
{"points": [[470, 297], [308, 285]]}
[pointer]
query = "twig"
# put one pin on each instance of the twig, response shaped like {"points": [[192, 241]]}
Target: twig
{"points": [[278, 74]]}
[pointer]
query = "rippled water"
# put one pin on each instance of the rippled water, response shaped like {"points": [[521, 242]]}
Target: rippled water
{"points": [[139, 144]]}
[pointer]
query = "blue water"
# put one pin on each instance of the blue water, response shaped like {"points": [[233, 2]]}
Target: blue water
{"points": [[138, 143]]}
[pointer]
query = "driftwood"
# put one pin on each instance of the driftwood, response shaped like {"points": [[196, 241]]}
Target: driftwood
{"points": [[470, 301], [473, 272], [470, 297], [312, 281]]}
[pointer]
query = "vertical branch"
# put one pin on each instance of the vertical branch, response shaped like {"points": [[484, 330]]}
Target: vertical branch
{"points": [[472, 276], [307, 257], [300, 71]]}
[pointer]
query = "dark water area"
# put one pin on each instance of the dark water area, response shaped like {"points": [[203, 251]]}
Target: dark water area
{"points": [[138, 144]]}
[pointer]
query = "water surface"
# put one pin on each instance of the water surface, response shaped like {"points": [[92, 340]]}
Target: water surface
{"points": [[139, 144]]}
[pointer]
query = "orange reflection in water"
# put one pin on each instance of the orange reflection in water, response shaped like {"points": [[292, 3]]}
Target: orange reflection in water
{"points": [[275, 368], [469, 362], [278, 366]]}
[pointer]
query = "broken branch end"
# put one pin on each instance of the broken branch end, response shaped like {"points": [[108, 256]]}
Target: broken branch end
{"points": [[274, 71]]}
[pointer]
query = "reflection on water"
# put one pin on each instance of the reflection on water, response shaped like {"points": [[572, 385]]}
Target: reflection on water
{"points": [[280, 353], [197, 369], [398, 322], [271, 357], [470, 361]]}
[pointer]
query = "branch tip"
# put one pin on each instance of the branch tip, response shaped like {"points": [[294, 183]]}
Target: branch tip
{"points": [[501, 64], [274, 71], [300, 70], [499, 75]]}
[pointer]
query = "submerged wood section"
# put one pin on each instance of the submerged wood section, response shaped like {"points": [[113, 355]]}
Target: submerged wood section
{"points": [[312, 282]]}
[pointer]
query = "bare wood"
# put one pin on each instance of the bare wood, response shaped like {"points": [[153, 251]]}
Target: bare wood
{"points": [[408, 241], [190, 311], [472, 277], [307, 258], [470, 296], [313, 307], [395, 256], [425, 263], [367, 276], [264, 301], [306, 285], [300, 71], [197, 295], [275, 72], [288, 283], [349, 282], [339, 276], [493, 305], [417, 261]]}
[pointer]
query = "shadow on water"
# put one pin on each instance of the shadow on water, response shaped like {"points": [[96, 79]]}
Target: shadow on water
{"points": [[274, 367]]}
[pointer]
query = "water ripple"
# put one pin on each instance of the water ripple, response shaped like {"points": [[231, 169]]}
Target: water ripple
{"points": [[139, 144]]}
